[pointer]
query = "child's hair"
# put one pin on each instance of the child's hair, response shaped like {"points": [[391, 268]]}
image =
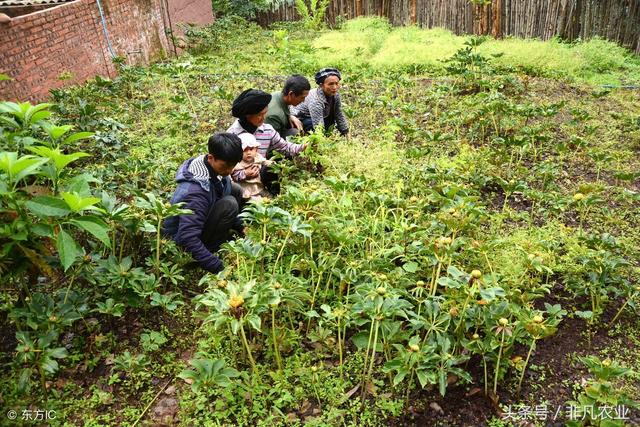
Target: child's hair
{"points": [[226, 147]]}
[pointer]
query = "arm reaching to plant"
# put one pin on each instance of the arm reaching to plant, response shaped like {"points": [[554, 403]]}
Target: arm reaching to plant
{"points": [[190, 232], [341, 120], [285, 147]]}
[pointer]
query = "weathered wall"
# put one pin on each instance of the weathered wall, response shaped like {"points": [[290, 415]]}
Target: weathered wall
{"points": [[198, 12], [69, 40], [616, 20]]}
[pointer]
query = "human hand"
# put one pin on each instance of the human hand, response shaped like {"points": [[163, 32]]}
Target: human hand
{"points": [[252, 171], [295, 122]]}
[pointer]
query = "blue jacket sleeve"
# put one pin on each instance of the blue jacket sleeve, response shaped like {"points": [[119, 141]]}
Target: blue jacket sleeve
{"points": [[190, 232]]}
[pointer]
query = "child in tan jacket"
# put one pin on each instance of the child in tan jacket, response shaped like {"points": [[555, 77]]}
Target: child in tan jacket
{"points": [[247, 172]]}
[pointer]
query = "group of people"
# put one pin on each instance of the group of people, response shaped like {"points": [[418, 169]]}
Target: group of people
{"points": [[236, 168]]}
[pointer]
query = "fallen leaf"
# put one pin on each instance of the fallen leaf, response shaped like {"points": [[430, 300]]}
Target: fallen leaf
{"points": [[351, 392], [473, 391], [436, 407], [452, 379], [371, 388], [305, 406]]}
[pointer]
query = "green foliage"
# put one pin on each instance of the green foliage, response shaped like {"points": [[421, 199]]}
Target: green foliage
{"points": [[208, 374], [601, 395], [472, 196], [312, 16]]}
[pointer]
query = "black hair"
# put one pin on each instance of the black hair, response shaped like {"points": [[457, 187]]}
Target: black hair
{"points": [[226, 147], [296, 84]]}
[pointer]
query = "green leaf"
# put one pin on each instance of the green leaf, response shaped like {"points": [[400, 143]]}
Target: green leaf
{"points": [[423, 378], [410, 267], [18, 168], [58, 353], [95, 226], [25, 379], [399, 376], [361, 341], [4, 77], [43, 230], [442, 382], [584, 314], [78, 203], [492, 293], [46, 206], [254, 321], [59, 159], [49, 365], [77, 136], [67, 249], [55, 132]]}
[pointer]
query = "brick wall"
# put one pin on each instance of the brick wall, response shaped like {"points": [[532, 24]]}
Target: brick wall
{"points": [[197, 12], [68, 40]]}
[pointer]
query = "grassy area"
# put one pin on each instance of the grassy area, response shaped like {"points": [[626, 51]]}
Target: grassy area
{"points": [[463, 253], [372, 42]]}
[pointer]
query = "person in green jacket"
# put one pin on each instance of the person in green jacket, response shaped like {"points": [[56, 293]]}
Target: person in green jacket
{"points": [[295, 90]]}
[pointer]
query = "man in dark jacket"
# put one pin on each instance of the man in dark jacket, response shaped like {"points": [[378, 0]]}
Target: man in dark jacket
{"points": [[206, 189]]}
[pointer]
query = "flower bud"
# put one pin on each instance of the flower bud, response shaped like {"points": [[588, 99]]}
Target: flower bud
{"points": [[236, 301]]}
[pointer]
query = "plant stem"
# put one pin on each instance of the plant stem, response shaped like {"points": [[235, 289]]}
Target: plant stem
{"points": [[313, 298], [366, 358], [495, 380], [286, 237], [526, 363], [340, 348], [373, 355], [486, 381], [144, 411], [275, 340], [246, 346], [158, 240], [622, 308], [434, 280]]}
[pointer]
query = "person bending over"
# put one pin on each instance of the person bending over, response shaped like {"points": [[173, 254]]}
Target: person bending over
{"points": [[250, 108], [323, 106], [206, 189], [296, 88]]}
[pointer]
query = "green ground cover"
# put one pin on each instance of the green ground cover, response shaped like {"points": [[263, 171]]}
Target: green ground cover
{"points": [[473, 248]]}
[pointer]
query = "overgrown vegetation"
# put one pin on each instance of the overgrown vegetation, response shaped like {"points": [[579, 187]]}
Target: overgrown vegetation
{"points": [[480, 226]]}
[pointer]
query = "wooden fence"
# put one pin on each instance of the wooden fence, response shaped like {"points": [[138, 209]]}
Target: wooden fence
{"points": [[616, 20]]}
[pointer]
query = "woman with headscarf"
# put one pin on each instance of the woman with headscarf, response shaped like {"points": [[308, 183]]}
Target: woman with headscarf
{"points": [[322, 106], [250, 109]]}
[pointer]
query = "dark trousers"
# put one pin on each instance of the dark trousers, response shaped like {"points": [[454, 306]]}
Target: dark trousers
{"points": [[270, 180], [217, 227], [307, 124]]}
